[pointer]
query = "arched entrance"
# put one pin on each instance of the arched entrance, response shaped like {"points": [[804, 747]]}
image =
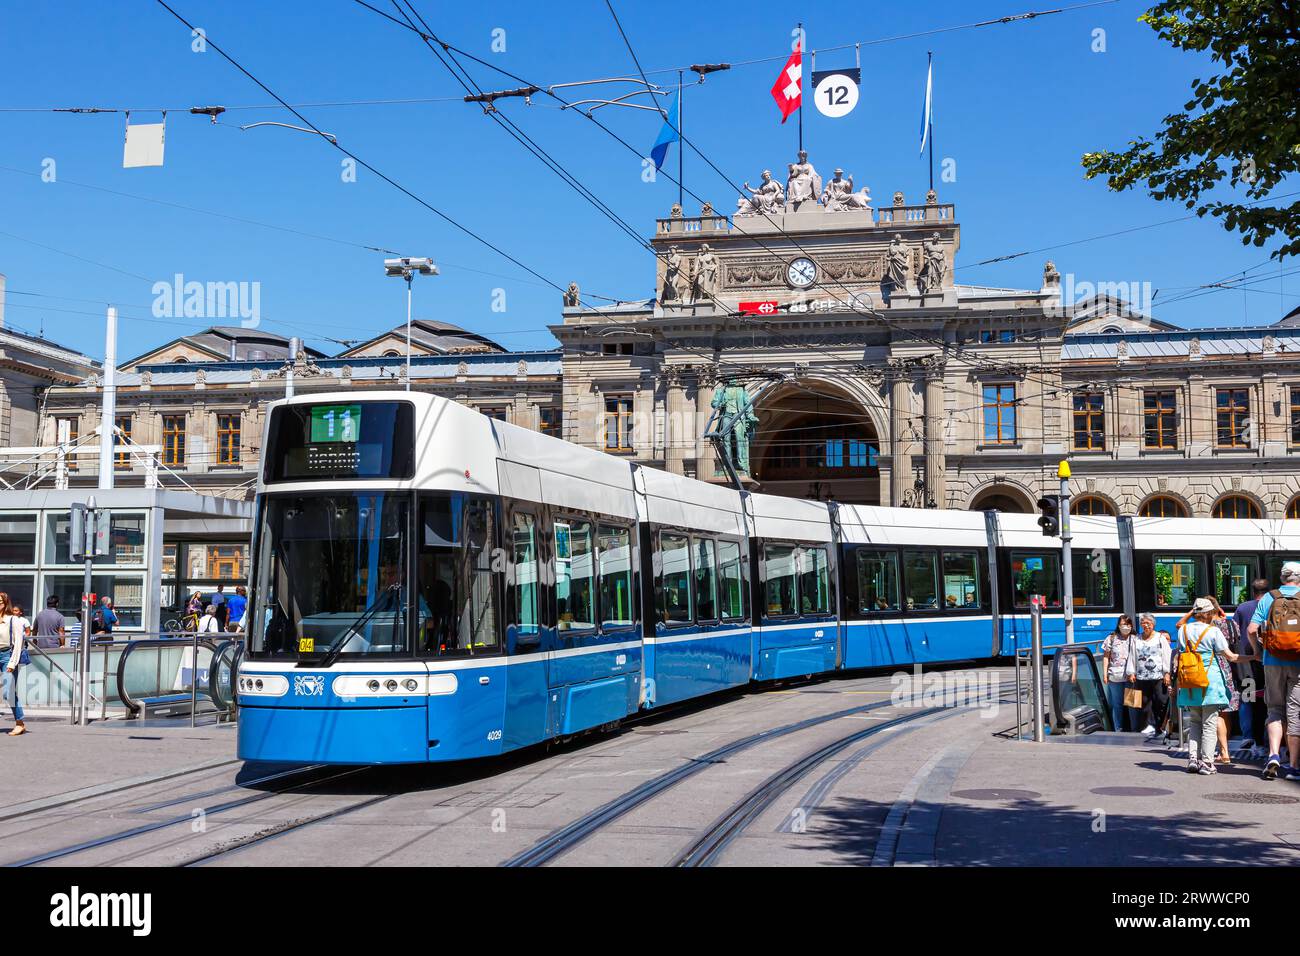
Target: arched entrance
{"points": [[815, 441], [1001, 498]]}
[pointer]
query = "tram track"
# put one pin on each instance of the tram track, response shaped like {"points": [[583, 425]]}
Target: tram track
{"points": [[711, 844], [561, 841], [123, 836]]}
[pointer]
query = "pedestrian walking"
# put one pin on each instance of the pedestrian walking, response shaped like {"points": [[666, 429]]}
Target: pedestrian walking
{"points": [[1201, 691], [1229, 628], [1276, 626], [1115, 651], [1147, 671], [1253, 713], [13, 654], [51, 628]]}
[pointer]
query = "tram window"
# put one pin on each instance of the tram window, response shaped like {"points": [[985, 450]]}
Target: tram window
{"points": [[919, 581], [779, 573], [615, 576], [877, 582], [574, 570], [1232, 576], [1035, 572], [815, 582], [1274, 563], [732, 582], [457, 599], [961, 580], [706, 580], [332, 575], [1093, 579], [675, 579], [1178, 580], [525, 579]]}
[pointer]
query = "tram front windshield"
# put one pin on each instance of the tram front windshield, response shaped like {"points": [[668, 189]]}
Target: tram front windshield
{"points": [[332, 576]]}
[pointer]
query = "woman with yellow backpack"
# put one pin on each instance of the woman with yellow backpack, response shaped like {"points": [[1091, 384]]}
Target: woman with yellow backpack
{"points": [[1202, 692]]}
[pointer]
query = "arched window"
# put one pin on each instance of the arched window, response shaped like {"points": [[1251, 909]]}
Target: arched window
{"points": [[1091, 505], [391, 354], [180, 360], [1162, 506], [1293, 508], [1235, 506]]}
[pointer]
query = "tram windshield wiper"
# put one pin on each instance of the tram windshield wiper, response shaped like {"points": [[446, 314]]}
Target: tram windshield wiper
{"points": [[384, 602]]}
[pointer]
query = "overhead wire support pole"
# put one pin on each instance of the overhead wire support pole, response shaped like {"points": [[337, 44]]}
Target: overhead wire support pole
{"points": [[681, 147]]}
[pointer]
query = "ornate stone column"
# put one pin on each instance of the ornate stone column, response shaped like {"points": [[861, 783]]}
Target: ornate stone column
{"points": [[705, 380], [935, 420], [677, 414], [900, 410]]}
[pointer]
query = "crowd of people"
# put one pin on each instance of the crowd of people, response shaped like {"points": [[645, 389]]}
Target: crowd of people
{"points": [[1216, 670], [51, 629]]}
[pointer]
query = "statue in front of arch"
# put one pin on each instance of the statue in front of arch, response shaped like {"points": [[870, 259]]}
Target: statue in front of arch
{"points": [[736, 422]]}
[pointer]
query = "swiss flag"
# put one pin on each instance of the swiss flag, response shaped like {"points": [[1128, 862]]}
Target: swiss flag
{"points": [[788, 88]]}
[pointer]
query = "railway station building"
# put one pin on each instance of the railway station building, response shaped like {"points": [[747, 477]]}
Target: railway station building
{"points": [[863, 370]]}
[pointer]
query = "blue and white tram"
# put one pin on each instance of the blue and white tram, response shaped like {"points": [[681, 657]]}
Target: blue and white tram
{"points": [[433, 585]]}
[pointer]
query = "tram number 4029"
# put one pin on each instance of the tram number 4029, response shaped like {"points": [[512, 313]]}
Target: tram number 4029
{"points": [[494, 735]]}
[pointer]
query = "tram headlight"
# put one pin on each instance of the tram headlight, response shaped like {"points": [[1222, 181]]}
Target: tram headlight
{"points": [[410, 684], [391, 685], [374, 686]]}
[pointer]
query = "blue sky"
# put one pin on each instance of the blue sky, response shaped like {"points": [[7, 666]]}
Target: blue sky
{"points": [[1015, 107]]}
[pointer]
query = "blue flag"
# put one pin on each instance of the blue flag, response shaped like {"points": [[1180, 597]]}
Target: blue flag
{"points": [[667, 135]]}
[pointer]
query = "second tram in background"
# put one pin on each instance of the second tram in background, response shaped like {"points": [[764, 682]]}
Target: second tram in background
{"points": [[431, 584]]}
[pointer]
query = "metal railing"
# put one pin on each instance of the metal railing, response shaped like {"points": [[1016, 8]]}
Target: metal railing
{"points": [[128, 677]]}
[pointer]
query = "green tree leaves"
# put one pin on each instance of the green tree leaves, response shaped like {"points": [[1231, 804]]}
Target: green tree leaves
{"points": [[1238, 137]]}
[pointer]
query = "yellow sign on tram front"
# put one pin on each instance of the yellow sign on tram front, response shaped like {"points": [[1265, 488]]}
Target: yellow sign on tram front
{"points": [[306, 645]]}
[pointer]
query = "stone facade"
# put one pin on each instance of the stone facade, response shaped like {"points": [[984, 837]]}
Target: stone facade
{"points": [[875, 377]]}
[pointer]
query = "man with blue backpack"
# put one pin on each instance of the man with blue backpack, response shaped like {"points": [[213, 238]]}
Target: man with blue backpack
{"points": [[1276, 625]]}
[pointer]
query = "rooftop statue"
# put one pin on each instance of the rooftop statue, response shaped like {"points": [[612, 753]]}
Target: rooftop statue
{"points": [[766, 200], [838, 196], [803, 184]]}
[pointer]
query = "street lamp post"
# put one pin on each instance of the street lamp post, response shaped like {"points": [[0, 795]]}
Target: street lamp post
{"points": [[407, 268]]}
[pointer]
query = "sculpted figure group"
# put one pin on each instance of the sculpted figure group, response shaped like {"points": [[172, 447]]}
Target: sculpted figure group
{"points": [[686, 280], [803, 186]]}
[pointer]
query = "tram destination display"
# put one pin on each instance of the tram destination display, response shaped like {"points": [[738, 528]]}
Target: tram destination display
{"points": [[355, 440]]}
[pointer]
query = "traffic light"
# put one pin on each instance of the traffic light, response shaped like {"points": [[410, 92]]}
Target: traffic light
{"points": [[1050, 521]]}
